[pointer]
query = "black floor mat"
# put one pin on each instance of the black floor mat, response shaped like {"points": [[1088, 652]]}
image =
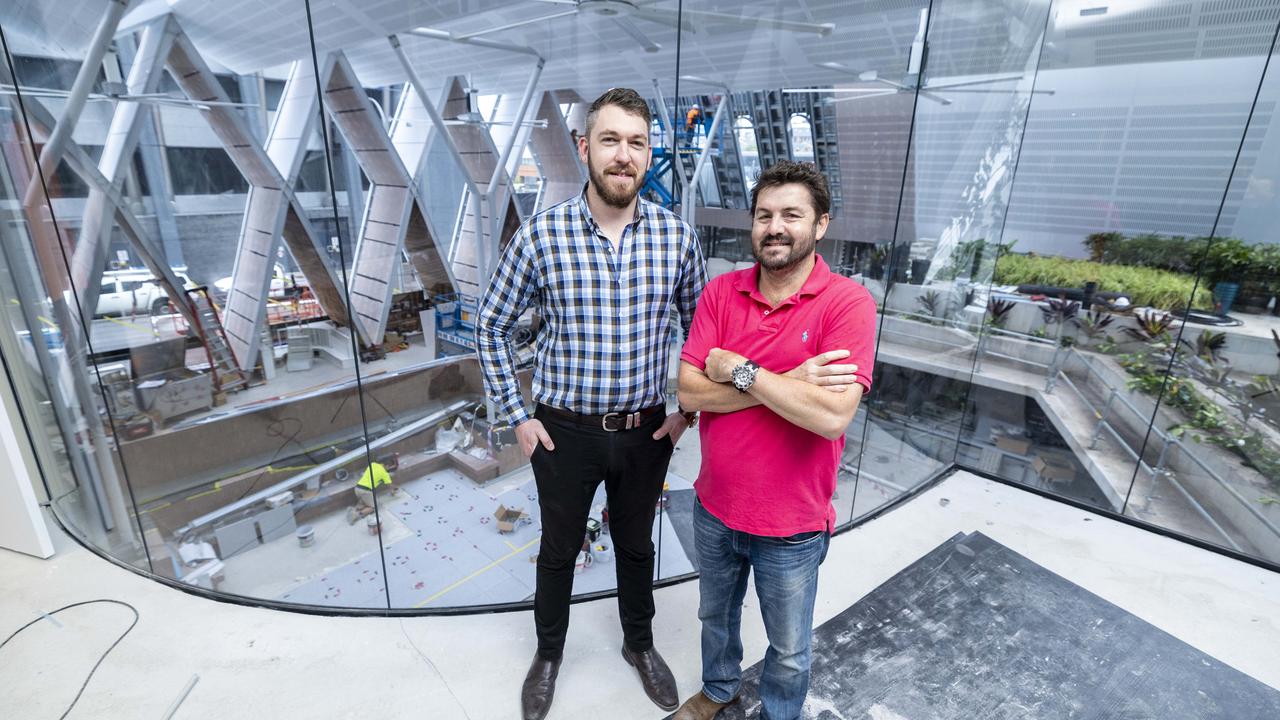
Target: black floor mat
{"points": [[975, 631]]}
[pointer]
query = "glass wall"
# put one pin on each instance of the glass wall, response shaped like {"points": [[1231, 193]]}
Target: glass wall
{"points": [[1135, 219], [240, 267]]}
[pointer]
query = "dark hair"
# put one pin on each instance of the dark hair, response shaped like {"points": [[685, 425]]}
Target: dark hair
{"points": [[786, 172], [627, 99]]}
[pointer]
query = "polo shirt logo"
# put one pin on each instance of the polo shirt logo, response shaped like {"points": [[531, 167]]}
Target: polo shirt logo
{"points": [[804, 337]]}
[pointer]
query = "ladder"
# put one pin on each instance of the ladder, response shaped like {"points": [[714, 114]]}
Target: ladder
{"points": [[226, 372]]}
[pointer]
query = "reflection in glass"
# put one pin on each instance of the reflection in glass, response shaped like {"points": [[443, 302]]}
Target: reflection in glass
{"points": [[745, 130], [801, 138], [229, 285], [1214, 444]]}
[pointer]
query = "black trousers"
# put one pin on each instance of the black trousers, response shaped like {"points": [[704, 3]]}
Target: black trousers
{"points": [[633, 467]]}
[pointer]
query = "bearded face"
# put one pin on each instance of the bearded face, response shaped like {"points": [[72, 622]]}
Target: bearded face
{"points": [[617, 183], [785, 229], [784, 249], [617, 155]]}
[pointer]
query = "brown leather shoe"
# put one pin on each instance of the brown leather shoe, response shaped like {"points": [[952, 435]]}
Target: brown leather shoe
{"points": [[659, 683], [538, 689], [700, 707]]}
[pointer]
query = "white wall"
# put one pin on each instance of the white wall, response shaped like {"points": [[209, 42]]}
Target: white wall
{"points": [[22, 525]]}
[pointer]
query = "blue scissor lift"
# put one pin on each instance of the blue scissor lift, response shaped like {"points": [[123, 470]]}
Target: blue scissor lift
{"points": [[660, 184]]}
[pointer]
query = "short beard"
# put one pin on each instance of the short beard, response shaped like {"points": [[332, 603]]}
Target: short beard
{"points": [[798, 251], [619, 200]]}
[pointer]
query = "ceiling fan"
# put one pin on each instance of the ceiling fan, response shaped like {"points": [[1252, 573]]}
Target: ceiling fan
{"points": [[119, 92], [926, 91], [915, 67], [622, 12]]}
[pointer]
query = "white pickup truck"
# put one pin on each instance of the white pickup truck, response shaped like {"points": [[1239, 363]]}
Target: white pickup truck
{"points": [[134, 292]]}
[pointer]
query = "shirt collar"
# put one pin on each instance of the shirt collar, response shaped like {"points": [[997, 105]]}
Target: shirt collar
{"points": [[748, 281], [585, 208]]}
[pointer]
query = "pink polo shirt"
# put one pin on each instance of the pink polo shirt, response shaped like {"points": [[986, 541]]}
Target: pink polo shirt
{"points": [[761, 474]]}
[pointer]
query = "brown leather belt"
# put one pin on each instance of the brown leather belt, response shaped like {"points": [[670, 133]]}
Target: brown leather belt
{"points": [[611, 422]]}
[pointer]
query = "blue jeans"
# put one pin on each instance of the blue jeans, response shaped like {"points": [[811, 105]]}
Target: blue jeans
{"points": [[787, 585]]}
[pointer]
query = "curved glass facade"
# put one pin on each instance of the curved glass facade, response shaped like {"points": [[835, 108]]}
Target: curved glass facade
{"points": [[242, 245]]}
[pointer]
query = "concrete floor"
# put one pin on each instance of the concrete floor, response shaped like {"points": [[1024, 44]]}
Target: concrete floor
{"points": [[255, 663], [442, 549]]}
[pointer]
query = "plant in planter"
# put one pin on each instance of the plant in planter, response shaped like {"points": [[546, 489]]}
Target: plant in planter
{"points": [[1267, 263], [998, 312], [1256, 278], [1209, 345], [1217, 375], [1098, 242], [1207, 418], [1152, 326], [931, 304], [1224, 262], [972, 259], [877, 259], [1056, 313], [1094, 326]]}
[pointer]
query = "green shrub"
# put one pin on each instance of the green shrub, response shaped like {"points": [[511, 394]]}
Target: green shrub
{"points": [[1175, 254], [1145, 286]]}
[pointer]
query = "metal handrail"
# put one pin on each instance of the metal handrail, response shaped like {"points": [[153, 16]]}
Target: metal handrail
{"points": [[1061, 357], [1167, 440]]}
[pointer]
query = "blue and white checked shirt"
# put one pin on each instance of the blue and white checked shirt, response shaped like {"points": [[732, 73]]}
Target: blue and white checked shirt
{"points": [[606, 337]]}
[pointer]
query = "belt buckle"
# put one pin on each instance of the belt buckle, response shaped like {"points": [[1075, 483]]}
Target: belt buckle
{"points": [[604, 422]]}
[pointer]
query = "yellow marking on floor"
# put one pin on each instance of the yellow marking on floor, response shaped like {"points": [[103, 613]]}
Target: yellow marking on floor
{"points": [[482, 570], [217, 487], [510, 544], [161, 506], [153, 332], [273, 469], [41, 318]]}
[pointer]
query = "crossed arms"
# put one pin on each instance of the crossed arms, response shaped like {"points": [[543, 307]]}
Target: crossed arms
{"points": [[817, 395]]}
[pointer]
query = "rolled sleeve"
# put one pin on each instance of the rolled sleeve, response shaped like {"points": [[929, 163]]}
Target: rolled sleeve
{"points": [[513, 289]]}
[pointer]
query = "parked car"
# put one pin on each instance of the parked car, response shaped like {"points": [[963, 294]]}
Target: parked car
{"points": [[134, 291]]}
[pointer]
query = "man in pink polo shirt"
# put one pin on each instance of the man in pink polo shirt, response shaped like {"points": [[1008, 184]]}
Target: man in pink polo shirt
{"points": [[761, 363]]}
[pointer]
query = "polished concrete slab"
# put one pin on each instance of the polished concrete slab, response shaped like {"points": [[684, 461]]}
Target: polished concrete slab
{"points": [[254, 662]]}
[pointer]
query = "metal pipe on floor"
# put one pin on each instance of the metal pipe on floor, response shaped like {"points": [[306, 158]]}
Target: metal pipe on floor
{"points": [[321, 469]]}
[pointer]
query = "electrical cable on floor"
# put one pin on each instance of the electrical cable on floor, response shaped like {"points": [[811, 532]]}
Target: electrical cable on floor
{"points": [[276, 429], [49, 616]]}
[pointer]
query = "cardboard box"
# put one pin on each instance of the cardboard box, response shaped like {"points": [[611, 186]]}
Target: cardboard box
{"points": [[1013, 444], [509, 518], [1051, 467]]}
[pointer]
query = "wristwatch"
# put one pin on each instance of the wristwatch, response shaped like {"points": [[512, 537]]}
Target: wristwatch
{"points": [[744, 375], [690, 416]]}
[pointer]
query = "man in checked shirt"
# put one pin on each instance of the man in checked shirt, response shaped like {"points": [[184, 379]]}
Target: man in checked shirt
{"points": [[603, 271]]}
